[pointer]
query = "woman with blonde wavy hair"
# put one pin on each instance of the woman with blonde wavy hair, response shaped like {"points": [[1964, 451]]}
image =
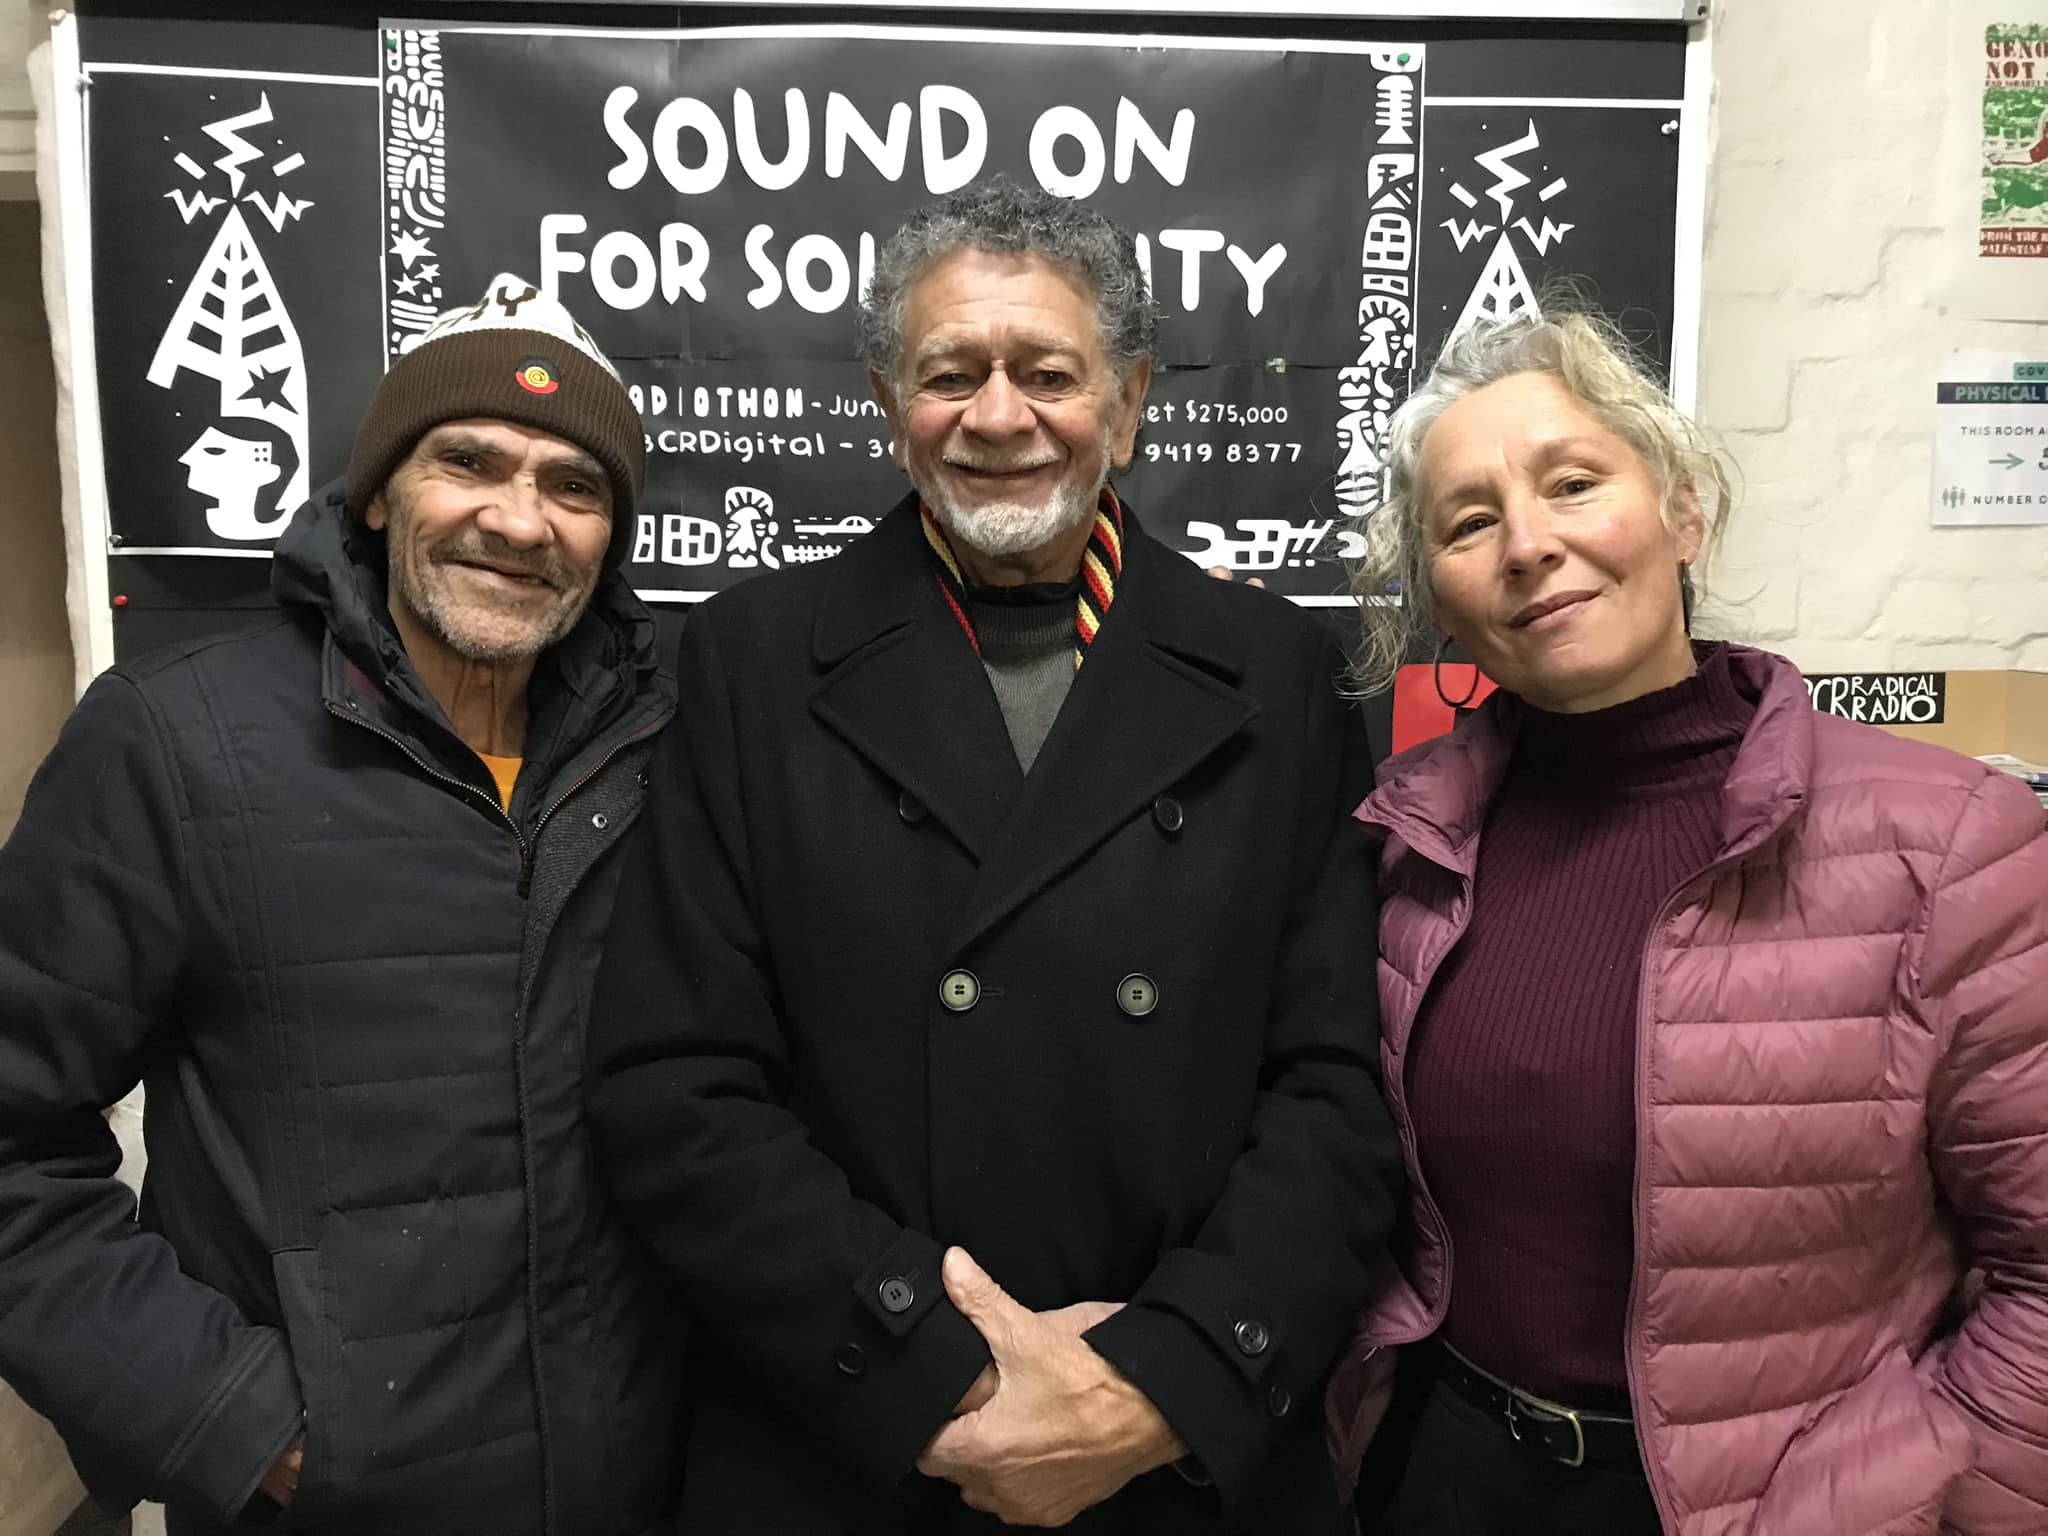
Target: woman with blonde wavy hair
{"points": [[1716, 1029]]}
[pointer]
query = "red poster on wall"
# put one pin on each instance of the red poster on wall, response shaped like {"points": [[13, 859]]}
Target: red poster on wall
{"points": [[1421, 711]]}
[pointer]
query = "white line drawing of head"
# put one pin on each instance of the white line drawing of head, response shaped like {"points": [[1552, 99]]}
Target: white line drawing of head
{"points": [[232, 470]]}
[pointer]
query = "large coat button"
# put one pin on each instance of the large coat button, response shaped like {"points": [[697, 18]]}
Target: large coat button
{"points": [[959, 990], [1167, 812], [897, 1295], [911, 809], [1137, 995], [851, 1359], [1252, 1337], [1280, 1401]]}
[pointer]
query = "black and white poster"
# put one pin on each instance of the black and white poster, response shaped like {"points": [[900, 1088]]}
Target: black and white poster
{"points": [[231, 371], [1316, 215]]}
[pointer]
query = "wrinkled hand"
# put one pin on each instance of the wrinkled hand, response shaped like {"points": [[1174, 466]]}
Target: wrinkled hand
{"points": [[979, 1391], [1080, 1317], [281, 1483], [1076, 1320], [1062, 1431]]}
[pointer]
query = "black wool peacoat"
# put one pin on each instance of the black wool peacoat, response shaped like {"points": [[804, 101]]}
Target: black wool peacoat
{"points": [[870, 990]]}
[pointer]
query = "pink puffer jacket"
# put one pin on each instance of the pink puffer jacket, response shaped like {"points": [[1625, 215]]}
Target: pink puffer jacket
{"points": [[1842, 1110]]}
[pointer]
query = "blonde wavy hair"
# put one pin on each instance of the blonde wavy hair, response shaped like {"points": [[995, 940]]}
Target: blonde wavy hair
{"points": [[1604, 374]]}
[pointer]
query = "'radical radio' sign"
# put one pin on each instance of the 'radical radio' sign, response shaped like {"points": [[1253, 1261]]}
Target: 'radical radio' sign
{"points": [[708, 204]]}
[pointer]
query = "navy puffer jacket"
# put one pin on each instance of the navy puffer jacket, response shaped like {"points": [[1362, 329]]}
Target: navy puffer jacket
{"points": [[261, 875]]}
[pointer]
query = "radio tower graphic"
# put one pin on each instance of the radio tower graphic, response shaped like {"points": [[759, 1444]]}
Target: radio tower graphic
{"points": [[232, 327], [1503, 291]]}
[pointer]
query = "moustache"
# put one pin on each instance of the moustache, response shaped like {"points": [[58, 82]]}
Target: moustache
{"points": [[982, 466], [545, 569]]}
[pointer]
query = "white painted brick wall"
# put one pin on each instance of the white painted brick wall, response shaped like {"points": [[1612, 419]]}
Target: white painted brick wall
{"points": [[1821, 340]]}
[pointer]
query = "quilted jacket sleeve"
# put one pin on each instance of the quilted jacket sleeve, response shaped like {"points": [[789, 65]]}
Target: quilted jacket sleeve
{"points": [[1983, 980], [159, 1385]]}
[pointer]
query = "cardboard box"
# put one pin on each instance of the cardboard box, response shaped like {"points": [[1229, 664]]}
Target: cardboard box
{"points": [[1990, 712]]}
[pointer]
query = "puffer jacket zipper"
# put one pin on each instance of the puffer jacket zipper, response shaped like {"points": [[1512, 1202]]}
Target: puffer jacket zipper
{"points": [[1425, 976], [354, 716], [1646, 1024], [596, 768], [533, 1328], [1632, 1353], [528, 848]]}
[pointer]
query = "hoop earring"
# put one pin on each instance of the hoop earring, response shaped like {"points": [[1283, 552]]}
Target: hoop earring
{"points": [[1437, 673]]}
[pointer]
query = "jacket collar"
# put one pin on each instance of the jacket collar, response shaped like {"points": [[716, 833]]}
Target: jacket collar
{"points": [[1435, 795], [899, 681], [886, 581], [1767, 785], [602, 683]]}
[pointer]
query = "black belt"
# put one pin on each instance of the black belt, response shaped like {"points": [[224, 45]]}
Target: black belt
{"points": [[1562, 1434]]}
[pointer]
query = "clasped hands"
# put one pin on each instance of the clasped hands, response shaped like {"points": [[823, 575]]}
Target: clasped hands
{"points": [[1049, 1428]]}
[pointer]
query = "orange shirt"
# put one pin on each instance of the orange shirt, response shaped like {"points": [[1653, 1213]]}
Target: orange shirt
{"points": [[505, 771]]}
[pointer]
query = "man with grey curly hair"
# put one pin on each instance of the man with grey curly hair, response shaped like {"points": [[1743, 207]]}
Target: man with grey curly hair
{"points": [[978, 490], [985, 1047]]}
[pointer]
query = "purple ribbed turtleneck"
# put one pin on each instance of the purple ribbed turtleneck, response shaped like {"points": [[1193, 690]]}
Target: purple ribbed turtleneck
{"points": [[1522, 1073]]}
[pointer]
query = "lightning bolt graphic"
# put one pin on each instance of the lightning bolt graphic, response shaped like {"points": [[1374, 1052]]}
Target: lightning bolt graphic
{"points": [[228, 134], [190, 207], [1471, 232], [1552, 233], [283, 208], [1507, 180]]}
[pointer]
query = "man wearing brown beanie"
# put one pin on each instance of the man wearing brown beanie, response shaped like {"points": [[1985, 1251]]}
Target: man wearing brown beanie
{"points": [[332, 889]]}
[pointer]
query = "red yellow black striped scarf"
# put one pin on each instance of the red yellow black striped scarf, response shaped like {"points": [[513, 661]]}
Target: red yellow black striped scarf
{"points": [[1101, 568]]}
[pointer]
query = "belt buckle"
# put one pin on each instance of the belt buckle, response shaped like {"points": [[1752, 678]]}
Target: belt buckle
{"points": [[1554, 1412]]}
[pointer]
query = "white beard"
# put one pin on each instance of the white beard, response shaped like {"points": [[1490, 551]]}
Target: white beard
{"points": [[1004, 528]]}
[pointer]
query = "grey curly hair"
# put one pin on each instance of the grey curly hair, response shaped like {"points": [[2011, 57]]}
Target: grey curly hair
{"points": [[1603, 373], [1000, 214]]}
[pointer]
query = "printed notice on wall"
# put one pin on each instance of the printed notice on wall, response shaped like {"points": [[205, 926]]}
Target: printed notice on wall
{"points": [[1998, 157], [1991, 439]]}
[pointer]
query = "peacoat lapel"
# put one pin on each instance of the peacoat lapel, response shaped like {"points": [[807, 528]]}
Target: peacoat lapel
{"points": [[905, 689], [902, 685], [1157, 695]]}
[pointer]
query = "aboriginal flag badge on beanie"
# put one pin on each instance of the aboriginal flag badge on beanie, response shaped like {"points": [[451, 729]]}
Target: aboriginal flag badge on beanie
{"points": [[516, 355]]}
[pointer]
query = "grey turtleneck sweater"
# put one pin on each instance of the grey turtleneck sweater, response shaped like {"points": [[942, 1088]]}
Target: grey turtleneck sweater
{"points": [[1027, 649]]}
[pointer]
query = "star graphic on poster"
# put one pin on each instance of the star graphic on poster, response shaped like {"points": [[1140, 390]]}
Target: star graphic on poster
{"points": [[430, 272], [409, 286], [266, 387], [409, 248]]}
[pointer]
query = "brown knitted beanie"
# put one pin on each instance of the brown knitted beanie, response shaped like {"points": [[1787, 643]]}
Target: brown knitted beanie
{"points": [[516, 355]]}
